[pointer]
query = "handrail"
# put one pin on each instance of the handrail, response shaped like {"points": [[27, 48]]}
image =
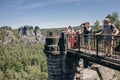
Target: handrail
{"points": [[96, 40]]}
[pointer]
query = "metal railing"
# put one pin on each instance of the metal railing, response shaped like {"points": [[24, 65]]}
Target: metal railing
{"points": [[97, 44]]}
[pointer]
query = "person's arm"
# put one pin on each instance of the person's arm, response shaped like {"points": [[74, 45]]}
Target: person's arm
{"points": [[115, 30], [88, 28], [99, 33]]}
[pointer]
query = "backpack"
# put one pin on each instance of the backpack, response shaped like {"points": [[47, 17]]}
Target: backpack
{"points": [[112, 27]]}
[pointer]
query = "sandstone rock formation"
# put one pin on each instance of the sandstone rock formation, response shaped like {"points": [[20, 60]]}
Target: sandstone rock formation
{"points": [[7, 35], [89, 74], [30, 35], [99, 72]]}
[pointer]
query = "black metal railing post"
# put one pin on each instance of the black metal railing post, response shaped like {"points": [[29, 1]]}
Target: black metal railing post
{"points": [[67, 41], [63, 41], [97, 45], [79, 42]]}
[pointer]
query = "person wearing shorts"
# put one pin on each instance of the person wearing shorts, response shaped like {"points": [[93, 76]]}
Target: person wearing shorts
{"points": [[86, 32], [109, 30]]}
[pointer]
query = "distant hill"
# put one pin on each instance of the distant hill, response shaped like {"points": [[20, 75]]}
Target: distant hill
{"points": [[57, 30]]}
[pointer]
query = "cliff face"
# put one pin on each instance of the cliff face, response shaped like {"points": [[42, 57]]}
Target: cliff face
{"points": [[30, 35], [27, 34], [7, 36]]}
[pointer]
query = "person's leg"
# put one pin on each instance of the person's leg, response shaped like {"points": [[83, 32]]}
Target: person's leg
{"points": [[106, 50], [72, 45], [89, 47], [70, 42], [106, 47], [111, 47], [85, 45]]}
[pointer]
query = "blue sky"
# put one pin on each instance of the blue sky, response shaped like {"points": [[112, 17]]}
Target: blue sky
{"points": [[55, 13]]}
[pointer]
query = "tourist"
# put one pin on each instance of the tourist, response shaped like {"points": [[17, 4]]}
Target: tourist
{"points": [[71, 37], [86, 32], [109, 31]]}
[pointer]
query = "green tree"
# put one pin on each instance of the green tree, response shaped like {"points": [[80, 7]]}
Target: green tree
{"points": [[97, 25], [1, 75], [114, 18]]}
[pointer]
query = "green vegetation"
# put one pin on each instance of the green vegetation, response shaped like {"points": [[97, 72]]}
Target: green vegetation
{"points": [[118, 75], [114, 17], [16, 33], [97, 26], [22, 62]]}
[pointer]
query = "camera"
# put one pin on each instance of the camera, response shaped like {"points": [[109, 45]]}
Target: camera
{"points": [[83, 25]]}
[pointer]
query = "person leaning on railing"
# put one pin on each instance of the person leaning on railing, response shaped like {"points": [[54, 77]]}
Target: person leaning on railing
{"points": [[108, 31]]}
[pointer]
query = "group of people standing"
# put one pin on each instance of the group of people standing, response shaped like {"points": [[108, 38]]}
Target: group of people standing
{"points": [[86, 32], [109, 31], [71, 33]]}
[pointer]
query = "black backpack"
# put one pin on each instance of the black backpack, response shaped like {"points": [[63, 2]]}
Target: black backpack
{"points": [[112, 27]]}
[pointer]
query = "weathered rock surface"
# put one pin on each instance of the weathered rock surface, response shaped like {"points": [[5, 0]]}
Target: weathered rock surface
{"points": [[8, 36], [99, 73], [30, 35], [107, 73], [89, 74]]}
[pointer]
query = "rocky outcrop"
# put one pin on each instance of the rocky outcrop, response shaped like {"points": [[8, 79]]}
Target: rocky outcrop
{"points": [[8, 36], [99, 72], [6, 28], [106, 73], [89, 74], [30, 35], [38, 36]]}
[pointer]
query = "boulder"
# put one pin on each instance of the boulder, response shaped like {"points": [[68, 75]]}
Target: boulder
{"points": [[106, 73], [98, 72], [89, 74]]}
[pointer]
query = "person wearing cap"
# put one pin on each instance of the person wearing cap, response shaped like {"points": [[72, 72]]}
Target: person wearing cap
{"points": [[86, 32], [109, 30]]}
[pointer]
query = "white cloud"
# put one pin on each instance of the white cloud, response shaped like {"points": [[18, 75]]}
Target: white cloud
{"points": [[4, 14], [20, 1], [15, 6], [9, 13], [46, 3]]}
